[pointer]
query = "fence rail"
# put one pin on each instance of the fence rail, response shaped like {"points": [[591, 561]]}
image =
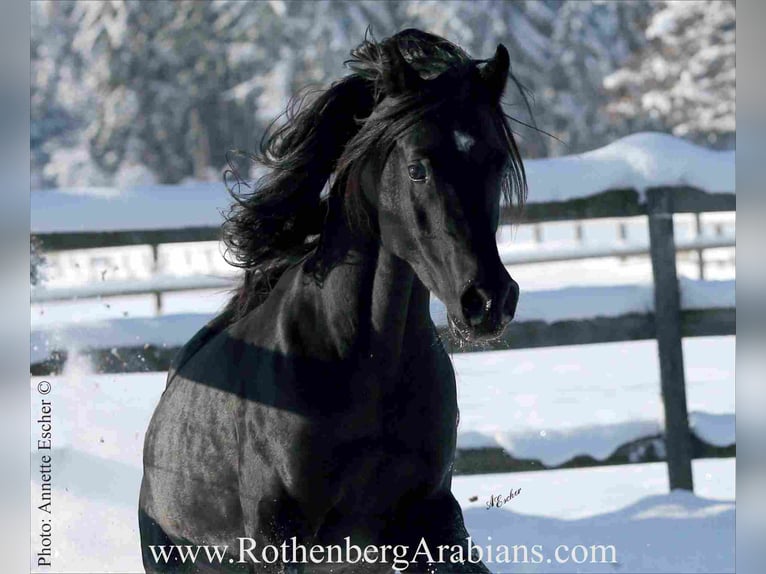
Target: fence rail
{"points": [[168, 284]]}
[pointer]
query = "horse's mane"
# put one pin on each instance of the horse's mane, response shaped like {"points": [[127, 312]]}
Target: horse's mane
{"points": [[320, 146]]}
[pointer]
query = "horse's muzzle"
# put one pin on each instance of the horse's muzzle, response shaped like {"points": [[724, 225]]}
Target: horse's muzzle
{"points": [[487, 309]]}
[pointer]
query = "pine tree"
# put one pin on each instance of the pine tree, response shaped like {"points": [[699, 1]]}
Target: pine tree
{"points": [[683, 80], [590, 40], [118, 85], [159, 68], [57, 110]]}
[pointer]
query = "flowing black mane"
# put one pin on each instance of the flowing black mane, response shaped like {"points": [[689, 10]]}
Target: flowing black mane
{"points": [[323, 143]]}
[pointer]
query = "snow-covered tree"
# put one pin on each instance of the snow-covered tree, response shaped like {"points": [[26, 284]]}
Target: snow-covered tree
{"points": [[57, 109], [280, 47], [181, 83], [590, 40], [127, 91], [683, 80], [157, 67]]}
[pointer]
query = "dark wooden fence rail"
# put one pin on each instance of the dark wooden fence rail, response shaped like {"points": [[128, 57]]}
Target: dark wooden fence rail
{"points": [[668, 324]]}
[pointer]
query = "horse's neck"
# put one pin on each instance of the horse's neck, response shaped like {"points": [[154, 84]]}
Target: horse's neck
{"points": [[391, 297], [381, 300]]}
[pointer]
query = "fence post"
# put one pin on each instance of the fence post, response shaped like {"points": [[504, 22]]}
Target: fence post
{"points": [[698, 234], [667, 317], [155, 270], [622, 232]]}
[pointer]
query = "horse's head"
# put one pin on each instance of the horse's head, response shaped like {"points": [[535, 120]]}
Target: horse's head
{"points": [[415, 141], [437, 196]]}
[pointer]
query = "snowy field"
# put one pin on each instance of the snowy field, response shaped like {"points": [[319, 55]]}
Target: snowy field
{"points": [[555, 403], [629, 507], [539, 403]]}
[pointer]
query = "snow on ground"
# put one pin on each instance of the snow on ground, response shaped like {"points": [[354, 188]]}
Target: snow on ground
{"points": [[626, 506], [505, 396], [549, 404], [555, 403], [96, 490], [547, 494], [167, 330]]}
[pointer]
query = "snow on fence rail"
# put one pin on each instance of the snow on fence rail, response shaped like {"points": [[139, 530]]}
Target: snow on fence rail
{"points": [[649, 174], [608, 182]]}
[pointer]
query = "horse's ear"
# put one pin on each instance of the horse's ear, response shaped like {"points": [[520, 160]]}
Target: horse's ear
{"points": [[495, 71], [399, 76]]}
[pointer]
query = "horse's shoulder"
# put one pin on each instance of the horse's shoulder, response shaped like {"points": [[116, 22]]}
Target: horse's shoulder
{"points": [[197, 342]]}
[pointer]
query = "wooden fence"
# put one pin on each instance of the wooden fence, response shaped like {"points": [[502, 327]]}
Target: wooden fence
{"points": [[668, 323]]}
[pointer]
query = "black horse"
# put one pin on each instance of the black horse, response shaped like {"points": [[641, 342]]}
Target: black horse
{"points": [[320, 407]]}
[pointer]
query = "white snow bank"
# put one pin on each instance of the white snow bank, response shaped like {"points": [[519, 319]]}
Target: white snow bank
{"points": [[552, 404], [701, 294], [555, 447], [676, 532], [715, 429], [569, 303], [638, 161], [561, 493]]}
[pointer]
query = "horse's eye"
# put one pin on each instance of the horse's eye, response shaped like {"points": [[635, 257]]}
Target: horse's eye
{"points": [[417, 171]]}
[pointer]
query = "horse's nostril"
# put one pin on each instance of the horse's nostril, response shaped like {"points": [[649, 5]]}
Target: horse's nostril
{"points": [[509, 305], [475, 304]]}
